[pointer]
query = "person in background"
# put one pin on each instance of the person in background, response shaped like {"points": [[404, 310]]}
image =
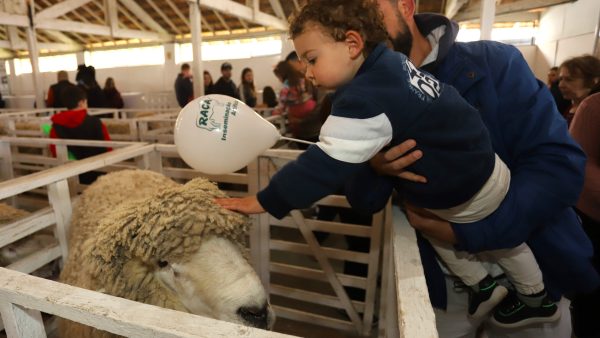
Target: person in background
{"points": [[552, 82], [2, 103], [531, 137], [76, 123], [246, 89], [53, 98], [269, 98], [113, 97], [292, 59], [87, 82], [585, 129], [578, 76], [296, 98], [225, 85], [184, 90], [209, 86]]}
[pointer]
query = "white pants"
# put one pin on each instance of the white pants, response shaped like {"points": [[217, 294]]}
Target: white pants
{"points": [[518, 264], [454, 323]]}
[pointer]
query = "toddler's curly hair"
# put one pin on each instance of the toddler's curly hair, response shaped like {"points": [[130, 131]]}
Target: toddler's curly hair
{"points": [[339, 16]]}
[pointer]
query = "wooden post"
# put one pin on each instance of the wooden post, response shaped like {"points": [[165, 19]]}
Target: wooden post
{"points": [[20, 322], [488, 12], [60, 200], [197, 67]]}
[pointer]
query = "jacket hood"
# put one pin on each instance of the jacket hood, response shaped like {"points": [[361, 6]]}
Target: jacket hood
{"points": [[428, 22], [69, 118]]}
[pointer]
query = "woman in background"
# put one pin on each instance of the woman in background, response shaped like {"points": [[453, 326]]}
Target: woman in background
{"points": [[112, 95], [209, 86], [577, 79], [269, 98], [585, 129], [246, 88]]}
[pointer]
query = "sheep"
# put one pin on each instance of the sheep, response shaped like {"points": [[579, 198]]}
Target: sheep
{"points": [[139, 235]]}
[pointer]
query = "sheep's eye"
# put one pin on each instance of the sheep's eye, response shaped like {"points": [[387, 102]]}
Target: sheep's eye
{"points": [[162, 264]]}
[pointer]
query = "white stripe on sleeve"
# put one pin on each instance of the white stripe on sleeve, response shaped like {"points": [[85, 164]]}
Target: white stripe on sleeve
{"points": [[354, 140]]}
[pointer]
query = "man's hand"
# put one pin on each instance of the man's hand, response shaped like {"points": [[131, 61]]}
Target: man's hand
{"points": [[393, 161], [429, 224], [246, 205]]}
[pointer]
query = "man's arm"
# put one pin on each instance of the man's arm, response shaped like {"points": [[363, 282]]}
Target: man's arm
{"points": [[547, 166]]}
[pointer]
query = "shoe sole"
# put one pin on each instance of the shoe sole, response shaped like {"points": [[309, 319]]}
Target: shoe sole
{"points": [[528, 321], [486, 307]]}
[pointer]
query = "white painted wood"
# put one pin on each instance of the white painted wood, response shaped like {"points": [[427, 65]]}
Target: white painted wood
{"points": [[36, 260], [488, 12], [117, 315], [13, 19], [141, 14], [60, 201], [112, 15], [339, 254], [25, 226], [373, 268], [312, 318], [233, 8], [312, 297], [20, 322], [197, 66], [276, 6], [263, 231], [415, 314], [6, 161], [36, 180], [310, 238], [60, 9]]}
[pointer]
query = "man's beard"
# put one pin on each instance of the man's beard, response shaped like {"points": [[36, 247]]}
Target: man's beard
{"points": [[402, 42]]}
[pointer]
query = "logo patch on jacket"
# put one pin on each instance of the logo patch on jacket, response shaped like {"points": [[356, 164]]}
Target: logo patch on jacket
{"points": [[422, 84]]}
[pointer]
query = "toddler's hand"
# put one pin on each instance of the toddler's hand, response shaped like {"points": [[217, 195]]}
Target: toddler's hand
{"points": [[246, 205]]}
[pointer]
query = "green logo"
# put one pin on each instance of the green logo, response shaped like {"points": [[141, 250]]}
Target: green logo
{"points": [[205, 116]]}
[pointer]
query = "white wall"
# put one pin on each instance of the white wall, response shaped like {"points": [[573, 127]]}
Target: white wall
{"points": [[565, 31], [160, 77]]}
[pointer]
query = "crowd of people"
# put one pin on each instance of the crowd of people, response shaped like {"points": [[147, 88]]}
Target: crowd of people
{"points": [[98, 97]]}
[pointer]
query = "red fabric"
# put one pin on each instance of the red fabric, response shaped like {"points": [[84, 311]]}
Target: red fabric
{"points": [[72, 119]]}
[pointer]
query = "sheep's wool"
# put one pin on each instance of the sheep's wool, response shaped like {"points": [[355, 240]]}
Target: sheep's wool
{"points": [[128, 221]]}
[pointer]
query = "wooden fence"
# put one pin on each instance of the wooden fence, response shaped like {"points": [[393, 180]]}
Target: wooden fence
{"points": [[404, 307]]}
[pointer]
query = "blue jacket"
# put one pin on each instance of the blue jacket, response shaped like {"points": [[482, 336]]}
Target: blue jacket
{"points": [[547, 166], [388, 101]]}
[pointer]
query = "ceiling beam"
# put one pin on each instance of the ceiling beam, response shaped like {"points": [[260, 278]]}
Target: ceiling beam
{"points": [[296, 5], [276, 5], [93, 29], [60, 9], [180, 15], [13, 19], [473, 12], [143, 16], [222, 21], [246, 13], [125, 12], [111, 15], [164, 17]]}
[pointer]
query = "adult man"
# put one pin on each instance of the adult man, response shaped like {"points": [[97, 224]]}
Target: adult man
{"points": [[53, 99], [530, 136], [184, 90], [225, 85]]}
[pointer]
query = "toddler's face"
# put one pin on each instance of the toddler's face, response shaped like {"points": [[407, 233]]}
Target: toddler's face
{"points": [[328, 62]]}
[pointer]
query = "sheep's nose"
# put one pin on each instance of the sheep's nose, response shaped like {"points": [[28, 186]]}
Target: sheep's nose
{"points": [[255, 316]]}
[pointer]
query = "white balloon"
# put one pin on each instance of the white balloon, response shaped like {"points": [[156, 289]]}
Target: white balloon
{"points": [[217, 134]]}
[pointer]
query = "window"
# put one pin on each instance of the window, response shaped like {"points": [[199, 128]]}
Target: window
{"points": [[231, 49], [515, 33], [46, 64], [127, 57]]}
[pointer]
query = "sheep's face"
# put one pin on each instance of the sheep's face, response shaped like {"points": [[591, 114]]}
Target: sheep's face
{"points": [[218, 282]]}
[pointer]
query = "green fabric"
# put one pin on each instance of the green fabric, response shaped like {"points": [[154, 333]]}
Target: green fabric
{"points": [[46, 127]]}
